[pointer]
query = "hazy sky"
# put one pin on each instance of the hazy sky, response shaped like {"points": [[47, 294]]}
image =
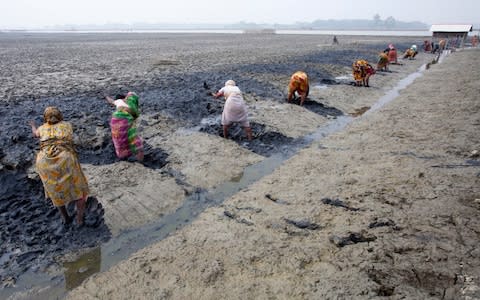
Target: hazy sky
{"points": [[39, 13]]}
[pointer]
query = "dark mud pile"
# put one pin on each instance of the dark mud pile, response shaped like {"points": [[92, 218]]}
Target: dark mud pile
{"points": [[264, 142], [33, 235], [74, 72]]}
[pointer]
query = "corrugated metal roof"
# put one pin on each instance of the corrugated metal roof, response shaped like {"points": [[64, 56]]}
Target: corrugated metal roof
{"points": [[451, 28]]}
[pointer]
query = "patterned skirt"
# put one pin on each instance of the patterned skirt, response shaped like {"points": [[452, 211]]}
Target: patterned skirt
{"points": [[62, 177], [124, 137]]}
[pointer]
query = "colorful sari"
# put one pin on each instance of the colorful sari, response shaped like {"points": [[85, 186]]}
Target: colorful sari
{"points": [[124, 132], [382, 61], [299, 83], [57, 164], [409, 53], [359, 70], [392, 56]]}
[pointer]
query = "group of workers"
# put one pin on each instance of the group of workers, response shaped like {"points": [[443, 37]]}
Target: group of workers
{"points": [[362, 70], [57, 162]]}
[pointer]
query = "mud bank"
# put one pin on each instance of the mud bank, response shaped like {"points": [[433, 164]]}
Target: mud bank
{"points": [[387, 208], [174, 75]]}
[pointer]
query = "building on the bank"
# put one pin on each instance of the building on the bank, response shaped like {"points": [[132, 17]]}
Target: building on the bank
{"points": [[454, 34]]}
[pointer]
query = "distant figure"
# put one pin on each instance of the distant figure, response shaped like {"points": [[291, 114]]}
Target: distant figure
{"points": [[57, 164], [362, 71], [475, 41], [382, 64], [411, 52], [392, 54], [427, 46], [298, 84], [122, 124], [335, 40], [456, 43], [235, 109], [442, 44]]}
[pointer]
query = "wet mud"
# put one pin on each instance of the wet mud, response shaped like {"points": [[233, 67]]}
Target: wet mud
{"points": [[338, 203], [32, 234], [352, 238], [264, 142], [318, 108]]}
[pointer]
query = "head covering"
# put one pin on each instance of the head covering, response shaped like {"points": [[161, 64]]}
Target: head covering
{"points": [[231, 90], [414, 47], [391, 46], [132, 101], [230, 82], [52, 115]]}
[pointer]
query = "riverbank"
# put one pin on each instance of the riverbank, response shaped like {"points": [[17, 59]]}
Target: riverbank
{"points": [[186, 154], [387, 207]]}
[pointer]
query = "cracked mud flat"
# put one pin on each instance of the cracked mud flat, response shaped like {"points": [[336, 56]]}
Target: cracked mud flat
{"points": [[186, 153]]}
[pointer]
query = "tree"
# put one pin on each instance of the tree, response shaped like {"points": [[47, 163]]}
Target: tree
{"points": [[377, 20], [390, 22]]}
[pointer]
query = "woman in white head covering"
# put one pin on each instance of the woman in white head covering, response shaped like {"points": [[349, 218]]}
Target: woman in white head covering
{"points": [[235, 109]]}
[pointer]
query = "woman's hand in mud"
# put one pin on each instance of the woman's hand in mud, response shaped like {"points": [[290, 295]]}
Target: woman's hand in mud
{"points": [[109, 99], [34, 128], [217, 95]]}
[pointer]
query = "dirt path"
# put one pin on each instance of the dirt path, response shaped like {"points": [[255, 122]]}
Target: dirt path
{"points": [[387, 207]]}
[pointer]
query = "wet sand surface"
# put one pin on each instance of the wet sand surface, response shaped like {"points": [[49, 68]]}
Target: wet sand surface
{"points": [[291, 236]]}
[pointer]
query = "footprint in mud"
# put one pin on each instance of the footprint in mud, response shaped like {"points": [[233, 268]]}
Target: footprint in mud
{"points": [[154, 158], [264, 142], [33, 235]]}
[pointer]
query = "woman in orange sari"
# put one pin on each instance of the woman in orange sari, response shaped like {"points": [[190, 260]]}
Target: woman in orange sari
{"points": [[299, 84], [411, 52], [57, 164]]}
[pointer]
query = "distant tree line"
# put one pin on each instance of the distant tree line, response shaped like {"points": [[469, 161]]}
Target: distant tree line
{"points": [[376, 23]]}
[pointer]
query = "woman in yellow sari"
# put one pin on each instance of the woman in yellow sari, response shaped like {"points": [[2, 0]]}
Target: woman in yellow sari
{"points": [[361, 71], [57, 164], [382, 64]]}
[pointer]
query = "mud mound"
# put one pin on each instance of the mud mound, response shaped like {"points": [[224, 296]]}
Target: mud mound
{"points": [[318, 108], [264, 142]]}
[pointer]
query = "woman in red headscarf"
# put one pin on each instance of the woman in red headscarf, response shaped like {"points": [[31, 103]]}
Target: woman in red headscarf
{"points": [[392, 54]]}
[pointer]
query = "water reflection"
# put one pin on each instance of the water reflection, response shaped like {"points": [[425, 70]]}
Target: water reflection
{"points": [[83, 267]]}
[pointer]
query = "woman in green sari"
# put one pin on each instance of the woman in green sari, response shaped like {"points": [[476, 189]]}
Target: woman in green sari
{"points": [[124, 133]]}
